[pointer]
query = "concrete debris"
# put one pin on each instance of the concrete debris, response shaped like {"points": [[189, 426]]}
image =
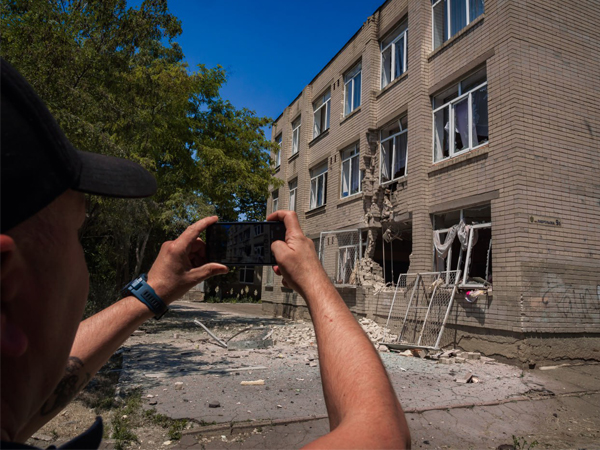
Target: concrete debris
{"points": [[253, 383], [406, 353], [459, 360], [167, 443], [446, 360], [376, 332], [138, 333], [214, 405], [473, 355], [42, 437], [152, 402], [179, 385]]}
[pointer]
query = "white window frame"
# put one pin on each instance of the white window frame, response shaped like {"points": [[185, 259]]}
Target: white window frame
{"points": [[318, 174], [244, 270], [323, 102], [296, 135], [275, 195], [392, 44], [349, 85], [394, 153], [447, 262], [278, 139], [448, 35], [293, 187], [350, 156], [451, 122]]}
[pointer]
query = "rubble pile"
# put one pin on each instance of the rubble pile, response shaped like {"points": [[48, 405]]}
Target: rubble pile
{"points": [[302, 334], [299, 334], [376, 332]]}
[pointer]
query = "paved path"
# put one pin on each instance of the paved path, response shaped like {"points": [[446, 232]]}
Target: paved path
{"points": [[557, 406]]}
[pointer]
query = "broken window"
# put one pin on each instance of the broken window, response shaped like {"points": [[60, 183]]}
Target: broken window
{"points": [[293, 185], [451, 16], [393, 55], [460, 117], [393, 145], [318, 186], [246, 274], [321, 110], [463, 241], [351, 173], [352, 85], [296, 135], [393, 248], [278, 152]]}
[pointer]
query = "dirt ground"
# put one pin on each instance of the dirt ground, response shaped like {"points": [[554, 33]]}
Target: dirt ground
{"points": [[172, 385]]}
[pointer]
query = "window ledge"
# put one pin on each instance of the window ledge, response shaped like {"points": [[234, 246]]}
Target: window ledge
{"points": [[479, 152], [277, 169], [450, 42], [315, 211], [393, 83], [351, 115], [399, 180], [318, 138], [350, 199], [294, 156]]}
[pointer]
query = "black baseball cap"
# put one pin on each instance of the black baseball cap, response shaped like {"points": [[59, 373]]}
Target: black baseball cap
{"points": [[39, 163]]}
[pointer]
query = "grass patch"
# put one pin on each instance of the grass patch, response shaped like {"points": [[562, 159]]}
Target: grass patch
{"points": [[175, 426], [125, 419]]}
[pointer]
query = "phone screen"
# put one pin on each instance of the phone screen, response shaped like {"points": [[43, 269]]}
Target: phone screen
{"points": [[243, 243]]}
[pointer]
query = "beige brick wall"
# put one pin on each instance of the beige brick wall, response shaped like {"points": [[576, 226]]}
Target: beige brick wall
{"points": [[543, 157]]}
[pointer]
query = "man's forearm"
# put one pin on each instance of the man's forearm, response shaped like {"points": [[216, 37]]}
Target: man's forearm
{"points": [[98, 337], [355, 382]]}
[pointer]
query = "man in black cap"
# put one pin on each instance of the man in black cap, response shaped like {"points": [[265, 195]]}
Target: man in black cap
{"points": [[48, 355]]}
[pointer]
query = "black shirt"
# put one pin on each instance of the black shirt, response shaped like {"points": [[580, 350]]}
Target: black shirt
{"points": [[88, 440]]}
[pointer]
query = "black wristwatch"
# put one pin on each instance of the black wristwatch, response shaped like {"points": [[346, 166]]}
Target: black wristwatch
{"points": [[141, 290]]}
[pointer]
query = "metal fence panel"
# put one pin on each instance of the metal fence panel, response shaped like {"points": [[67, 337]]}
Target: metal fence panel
{"points": [[421, 306]]}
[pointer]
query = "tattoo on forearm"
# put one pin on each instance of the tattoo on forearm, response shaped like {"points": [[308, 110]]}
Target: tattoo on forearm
{"points": [[69, 386]]}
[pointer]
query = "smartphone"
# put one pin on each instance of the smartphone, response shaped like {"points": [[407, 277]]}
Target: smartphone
{"points": [[243, 243]]}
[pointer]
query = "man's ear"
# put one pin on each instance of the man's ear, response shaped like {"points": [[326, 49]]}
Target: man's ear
{"points": [[13, 341]]}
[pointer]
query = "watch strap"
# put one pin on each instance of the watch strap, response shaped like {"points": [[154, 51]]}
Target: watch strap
{"points": [[141, 290]]}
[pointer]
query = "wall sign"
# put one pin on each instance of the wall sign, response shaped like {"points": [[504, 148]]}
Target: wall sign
{"points": [[545, 221]]}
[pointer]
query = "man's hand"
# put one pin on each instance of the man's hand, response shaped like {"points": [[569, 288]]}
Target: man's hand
{"points": [[297, 259], [181, 264]]}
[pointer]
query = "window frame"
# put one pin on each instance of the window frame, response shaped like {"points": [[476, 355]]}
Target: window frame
{"points": [[244, 270], [393, 54], [275, 200], [325, 102], [447, 36], [296, 135], [278, 140], [293, 190], [352, 79], [394, 153], [354, 152], [322, 173], [451, 120]]}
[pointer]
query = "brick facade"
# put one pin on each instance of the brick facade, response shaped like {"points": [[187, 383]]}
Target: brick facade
{"points": [[542, 162]]}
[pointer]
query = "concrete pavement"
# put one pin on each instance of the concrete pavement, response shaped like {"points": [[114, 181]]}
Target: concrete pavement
{"points": [[559, 408]]}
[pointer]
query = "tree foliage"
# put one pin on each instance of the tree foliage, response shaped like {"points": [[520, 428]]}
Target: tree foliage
{"points": [[117, 82]]}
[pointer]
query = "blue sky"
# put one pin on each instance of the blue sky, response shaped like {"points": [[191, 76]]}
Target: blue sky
{"points": [[270, 49]]}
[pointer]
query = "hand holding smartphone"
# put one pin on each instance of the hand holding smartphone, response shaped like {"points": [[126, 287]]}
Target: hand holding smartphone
{"points": [[243, 243]]}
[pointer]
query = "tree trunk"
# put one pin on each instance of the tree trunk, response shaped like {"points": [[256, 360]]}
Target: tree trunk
{"points": [[140, 250]]}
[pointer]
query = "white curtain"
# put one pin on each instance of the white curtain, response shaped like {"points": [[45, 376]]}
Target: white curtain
{"points": [[442, 248], [461, 116]]}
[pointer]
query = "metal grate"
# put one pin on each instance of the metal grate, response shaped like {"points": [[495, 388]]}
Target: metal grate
{"points": [[420, 308]]}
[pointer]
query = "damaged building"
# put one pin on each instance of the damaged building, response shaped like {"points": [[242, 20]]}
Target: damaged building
{"points": [[451, 149]]}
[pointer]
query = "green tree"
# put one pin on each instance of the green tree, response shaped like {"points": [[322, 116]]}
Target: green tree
{"points": [[117, 82]]}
